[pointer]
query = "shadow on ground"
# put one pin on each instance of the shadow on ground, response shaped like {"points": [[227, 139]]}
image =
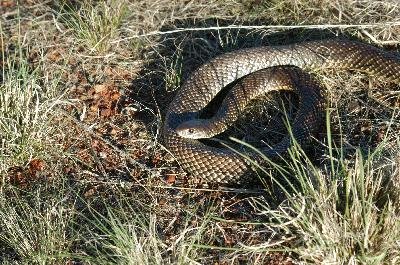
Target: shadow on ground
{"points": [[179, 54]]}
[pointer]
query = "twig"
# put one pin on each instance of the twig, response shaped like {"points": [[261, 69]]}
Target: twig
{"points": [[130, 184], [276, 27]]}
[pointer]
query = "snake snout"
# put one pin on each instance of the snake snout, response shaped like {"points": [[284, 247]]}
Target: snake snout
{"points": [[193, 129]]}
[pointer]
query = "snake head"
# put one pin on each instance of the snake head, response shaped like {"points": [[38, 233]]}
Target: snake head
{"points": [[193, 129]]}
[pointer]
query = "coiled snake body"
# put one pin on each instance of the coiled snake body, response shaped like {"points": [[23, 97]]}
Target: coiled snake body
{"points": [[227, 166]]}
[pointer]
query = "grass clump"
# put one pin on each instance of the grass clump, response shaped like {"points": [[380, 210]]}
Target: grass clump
{"points": [[346, 212], [34, 230], [128, 234], [27, 101], [119, 240], [348, 222], [94, 23]]}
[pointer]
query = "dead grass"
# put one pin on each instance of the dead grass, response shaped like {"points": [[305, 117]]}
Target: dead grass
{"points": [[94, 24], [345, 212], [34, 226], [84, 88], [28, 98]]}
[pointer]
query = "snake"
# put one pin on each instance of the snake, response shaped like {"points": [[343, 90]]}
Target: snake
{"points": [[255, 71]]}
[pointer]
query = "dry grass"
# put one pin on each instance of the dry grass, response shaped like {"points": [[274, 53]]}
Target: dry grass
{"points": [[34, 226], [94, 24], [28, 98], [85, 179]]}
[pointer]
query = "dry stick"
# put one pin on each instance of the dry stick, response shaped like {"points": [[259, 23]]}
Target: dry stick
{"points": [[277, 27], [219, 189]]}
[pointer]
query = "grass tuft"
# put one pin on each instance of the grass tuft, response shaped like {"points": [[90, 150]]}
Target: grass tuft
{"points": [[27, 100], [94, 23], [346, 212], [125, 234], [34, 230]]}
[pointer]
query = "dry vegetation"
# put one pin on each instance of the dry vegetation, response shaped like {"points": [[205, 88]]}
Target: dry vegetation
{"points": [[86, 179]]}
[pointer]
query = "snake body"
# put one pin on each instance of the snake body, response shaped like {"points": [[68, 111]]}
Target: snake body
{"points": [[227, 166]]}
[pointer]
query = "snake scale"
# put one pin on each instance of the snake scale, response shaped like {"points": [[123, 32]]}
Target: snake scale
{"points": [[261, 67]]}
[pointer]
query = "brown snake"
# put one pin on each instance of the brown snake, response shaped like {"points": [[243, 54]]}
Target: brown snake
{"points": [[224, 165]]}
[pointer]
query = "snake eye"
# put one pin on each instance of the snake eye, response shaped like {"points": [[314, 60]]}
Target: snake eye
{"points": [[191, 130]]}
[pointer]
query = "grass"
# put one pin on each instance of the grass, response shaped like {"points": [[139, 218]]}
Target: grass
{"points": [[339, 215], [123, 237], [27, 101], [84, 82], [34, 226], [94, 23], [126, 234]]}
